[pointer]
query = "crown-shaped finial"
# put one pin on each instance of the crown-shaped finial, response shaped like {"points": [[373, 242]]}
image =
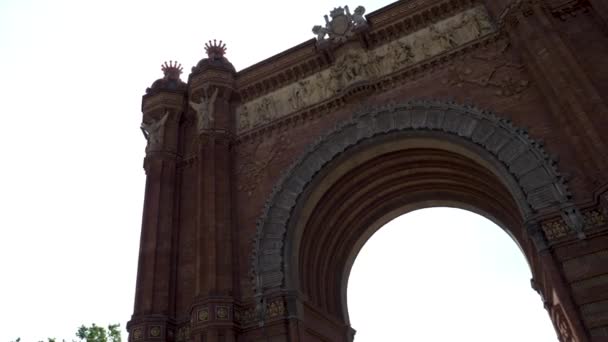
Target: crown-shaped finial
{"points": [[336, 12], [172, 70], [215, 50]]}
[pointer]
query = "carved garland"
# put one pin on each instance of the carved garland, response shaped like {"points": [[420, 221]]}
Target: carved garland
{"points": [[525, 159]]}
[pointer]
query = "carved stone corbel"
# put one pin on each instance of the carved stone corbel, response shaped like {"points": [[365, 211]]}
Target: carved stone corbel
{"points": [[574, 220], [537, 235]]}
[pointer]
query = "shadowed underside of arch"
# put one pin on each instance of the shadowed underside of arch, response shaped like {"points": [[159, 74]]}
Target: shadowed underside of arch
{"points": [[383, 163], [339, 221]]}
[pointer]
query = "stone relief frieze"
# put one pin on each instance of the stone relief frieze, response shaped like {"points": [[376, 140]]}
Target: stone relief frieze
{"points": [[504, 77], [355, 66], [253, 164]]}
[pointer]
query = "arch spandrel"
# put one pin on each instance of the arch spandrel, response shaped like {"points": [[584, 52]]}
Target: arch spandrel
{"points": [[524, 167]]}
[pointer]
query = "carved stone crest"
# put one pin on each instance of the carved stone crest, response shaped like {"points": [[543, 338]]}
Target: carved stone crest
{"points": [[343, 24]]}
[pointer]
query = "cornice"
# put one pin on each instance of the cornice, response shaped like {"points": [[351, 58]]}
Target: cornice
{"points": [[284, 68], [404, 17]]}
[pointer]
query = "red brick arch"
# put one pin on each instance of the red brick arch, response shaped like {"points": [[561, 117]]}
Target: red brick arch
{"points": [[218, 144], [388, 161]]}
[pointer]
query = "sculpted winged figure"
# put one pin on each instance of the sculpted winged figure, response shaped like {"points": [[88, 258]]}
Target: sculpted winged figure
{"points": [[204, 110], [154, 131]]}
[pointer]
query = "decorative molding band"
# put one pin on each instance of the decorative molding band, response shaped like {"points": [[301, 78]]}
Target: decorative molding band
{"points": [[557, 229], [525, 160], [245, 316]]}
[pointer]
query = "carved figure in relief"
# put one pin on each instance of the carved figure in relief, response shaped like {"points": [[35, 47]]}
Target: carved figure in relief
{"points": [[373, 64], [504, 76], [204, 110], [348, 69], [253, 164], [357, 18], [335, 75], [472, 26], [378, 62], [442, 40], [244, 118], [423, 47], [265, 111], [481, 22], [468, 26], [398, 55], [154, 132], [299, 94], [321, 88], [320, 31], [435, 42], [354, 67]]}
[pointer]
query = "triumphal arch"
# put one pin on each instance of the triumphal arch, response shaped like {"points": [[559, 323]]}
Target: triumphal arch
{"points": [[263, 184]]}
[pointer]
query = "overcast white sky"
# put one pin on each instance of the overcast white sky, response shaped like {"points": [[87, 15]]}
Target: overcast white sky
{"points": [[71, 179]]}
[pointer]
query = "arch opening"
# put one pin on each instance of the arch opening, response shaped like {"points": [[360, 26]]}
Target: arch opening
{"points": [[444, 274], [386, 163], [372, 184]]}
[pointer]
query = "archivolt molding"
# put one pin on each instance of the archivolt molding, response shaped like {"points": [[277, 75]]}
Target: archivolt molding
{"points": [[525, 159]]}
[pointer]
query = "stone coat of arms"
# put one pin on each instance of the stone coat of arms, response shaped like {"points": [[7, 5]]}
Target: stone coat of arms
{"points": [[343, 24]]}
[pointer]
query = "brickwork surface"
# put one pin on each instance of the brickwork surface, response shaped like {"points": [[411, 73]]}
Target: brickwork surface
{"points": [[263, 184]]}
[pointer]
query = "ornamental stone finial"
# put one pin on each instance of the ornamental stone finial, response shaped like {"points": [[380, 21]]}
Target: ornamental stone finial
{"points": [[172, 70], [171, 80], [215, 59], [215, 50]]}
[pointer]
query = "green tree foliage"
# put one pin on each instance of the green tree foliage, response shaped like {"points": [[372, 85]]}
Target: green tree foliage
{"points": [[94, 333]]}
